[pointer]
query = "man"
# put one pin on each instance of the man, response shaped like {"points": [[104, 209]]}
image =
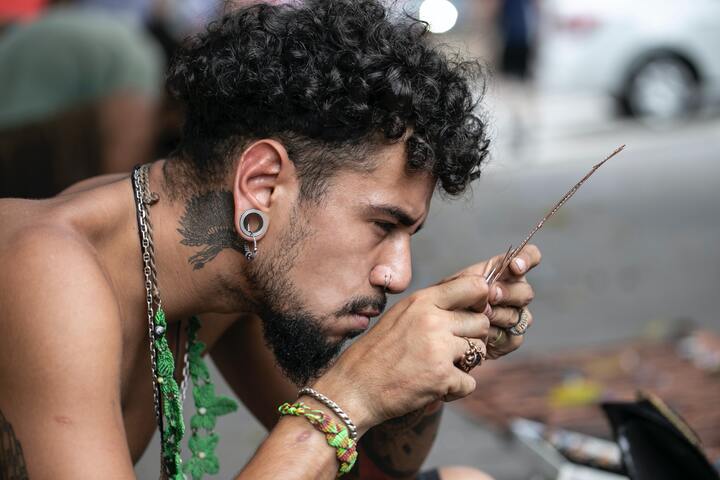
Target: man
{"points": [[315, 137]]}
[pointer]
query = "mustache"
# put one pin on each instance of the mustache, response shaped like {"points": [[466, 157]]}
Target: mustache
{"points": [[364, 303]]}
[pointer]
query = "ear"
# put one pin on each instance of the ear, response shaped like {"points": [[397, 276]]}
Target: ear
{"points": [[257, 175]]}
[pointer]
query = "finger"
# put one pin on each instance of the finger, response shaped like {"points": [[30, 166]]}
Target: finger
{"points": [[459, 293], [516, 294], [470, 324], [501, 343], [484, 305], [503, 317], [529, 320], [496, 337], [480, 268], [461, 385], [528, 258], [461, 346]]}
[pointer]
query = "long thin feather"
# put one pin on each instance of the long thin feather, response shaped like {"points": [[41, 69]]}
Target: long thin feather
{"points": [[500, 268]]}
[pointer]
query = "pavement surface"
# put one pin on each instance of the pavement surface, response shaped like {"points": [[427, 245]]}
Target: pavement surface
{"points": [[638, 244]]}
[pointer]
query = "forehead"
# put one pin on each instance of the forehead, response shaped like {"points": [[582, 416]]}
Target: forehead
{"points": [[388, 183]]}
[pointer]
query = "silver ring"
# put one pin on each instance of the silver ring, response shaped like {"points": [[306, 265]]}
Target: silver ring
{"points": [[522, 324], [261, 229], [388, 279]]}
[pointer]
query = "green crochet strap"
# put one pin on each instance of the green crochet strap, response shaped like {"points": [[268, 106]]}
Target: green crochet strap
{"points": [[171, 400], [208, 406]]}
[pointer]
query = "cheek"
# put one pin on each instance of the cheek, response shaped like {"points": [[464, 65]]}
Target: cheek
{"points": [[331, 268]]}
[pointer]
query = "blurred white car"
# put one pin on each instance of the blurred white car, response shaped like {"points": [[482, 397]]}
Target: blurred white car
{"points": [[658, 58]]}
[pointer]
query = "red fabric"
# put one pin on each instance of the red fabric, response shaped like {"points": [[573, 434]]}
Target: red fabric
{"points": [[21, 10]]}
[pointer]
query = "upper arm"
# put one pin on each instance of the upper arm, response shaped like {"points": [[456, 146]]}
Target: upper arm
{"points": [[60, 350], [249, 368]]}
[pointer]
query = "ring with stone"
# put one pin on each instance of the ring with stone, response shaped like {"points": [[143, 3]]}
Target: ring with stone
{"points": [[472, 357]]}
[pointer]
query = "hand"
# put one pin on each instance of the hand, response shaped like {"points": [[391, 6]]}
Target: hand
{"points": [[407, 360], [507, 296]]}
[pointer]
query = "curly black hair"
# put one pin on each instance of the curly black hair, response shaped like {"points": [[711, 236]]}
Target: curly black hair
{"points": [[329, 78]]}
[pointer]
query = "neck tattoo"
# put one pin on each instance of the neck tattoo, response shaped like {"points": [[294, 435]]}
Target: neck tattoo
{"points": [[168, 396]]}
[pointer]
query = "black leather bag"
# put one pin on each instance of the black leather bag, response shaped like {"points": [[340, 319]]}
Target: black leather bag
{"points": [[656, 443]]}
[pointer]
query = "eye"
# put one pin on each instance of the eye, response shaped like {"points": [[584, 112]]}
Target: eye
{"points": [[386, 227]]}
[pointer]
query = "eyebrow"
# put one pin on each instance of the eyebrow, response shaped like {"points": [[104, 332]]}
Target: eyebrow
{"points": [[400, 215]]}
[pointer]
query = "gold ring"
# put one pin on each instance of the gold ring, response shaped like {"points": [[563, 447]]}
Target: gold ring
{"points": [[499, 339], [472, 357]]}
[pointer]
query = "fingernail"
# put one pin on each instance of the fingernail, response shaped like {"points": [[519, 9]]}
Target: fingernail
{"points": [[498, 294], [488, 310], [520, 263]]}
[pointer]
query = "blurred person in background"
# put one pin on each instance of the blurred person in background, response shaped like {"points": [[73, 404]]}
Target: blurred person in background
{"points": [[330, 124], [517, 22], [79, 95]]}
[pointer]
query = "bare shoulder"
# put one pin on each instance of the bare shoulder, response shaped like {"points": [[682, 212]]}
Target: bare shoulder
{"points": [[50, 279], [93, 182], [53, 292], [60, 351], [52, 262]]}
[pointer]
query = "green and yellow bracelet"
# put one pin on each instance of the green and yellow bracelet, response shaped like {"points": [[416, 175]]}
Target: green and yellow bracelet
{"points": [[336, 433]]}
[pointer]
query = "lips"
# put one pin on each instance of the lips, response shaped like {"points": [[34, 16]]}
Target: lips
{"points": [[360, 322]]}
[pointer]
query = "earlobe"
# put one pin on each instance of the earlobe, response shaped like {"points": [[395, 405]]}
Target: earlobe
{"points": [[255, 180], [252, 225]]}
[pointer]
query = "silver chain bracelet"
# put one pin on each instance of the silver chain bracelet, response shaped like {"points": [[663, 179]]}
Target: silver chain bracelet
{"points": [[310, 392]]}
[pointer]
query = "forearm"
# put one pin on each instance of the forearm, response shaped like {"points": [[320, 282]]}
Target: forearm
{"points": [[397, 448], [294, 449]]}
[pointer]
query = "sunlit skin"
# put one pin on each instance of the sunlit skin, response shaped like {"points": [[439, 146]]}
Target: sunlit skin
{"points": [[79, 254]]}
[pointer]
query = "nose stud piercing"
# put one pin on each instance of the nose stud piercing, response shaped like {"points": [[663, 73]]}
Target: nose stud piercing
{"points": [[388, 279]]}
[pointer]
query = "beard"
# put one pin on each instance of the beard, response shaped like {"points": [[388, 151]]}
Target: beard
{"points": [[294, 334]]}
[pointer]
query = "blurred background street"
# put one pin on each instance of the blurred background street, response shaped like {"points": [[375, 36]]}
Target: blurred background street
{"points": [[632, 255]]}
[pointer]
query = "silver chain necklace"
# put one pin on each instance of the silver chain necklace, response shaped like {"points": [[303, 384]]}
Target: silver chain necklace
{"points": [[144, 198]]}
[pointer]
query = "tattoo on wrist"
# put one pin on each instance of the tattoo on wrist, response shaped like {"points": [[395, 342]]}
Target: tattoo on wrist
{"points": [[208, 223], [12, 462], [399, 446]]}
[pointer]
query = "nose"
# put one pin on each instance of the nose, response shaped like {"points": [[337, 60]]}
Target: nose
{"points": [[394, 270]]}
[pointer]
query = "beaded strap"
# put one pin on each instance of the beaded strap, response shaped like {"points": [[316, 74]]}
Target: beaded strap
{"points": [[336, 433], [208, 406], [171, 401]]}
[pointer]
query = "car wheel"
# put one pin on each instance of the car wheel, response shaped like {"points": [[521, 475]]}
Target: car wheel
{"points": [[661, 88]]}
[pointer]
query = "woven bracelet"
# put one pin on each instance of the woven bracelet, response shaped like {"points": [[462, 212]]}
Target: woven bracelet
{"points": [[336, 433], [311, 392]]}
